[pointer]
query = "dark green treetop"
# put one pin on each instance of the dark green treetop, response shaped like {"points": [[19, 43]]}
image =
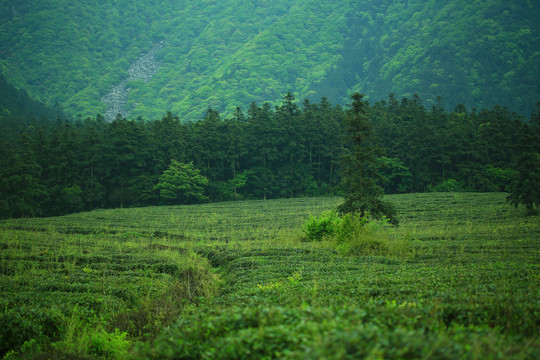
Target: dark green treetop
{"points": [[526, 184], [360, 175]]}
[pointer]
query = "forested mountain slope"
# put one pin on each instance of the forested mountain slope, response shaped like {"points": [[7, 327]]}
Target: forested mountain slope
{"points": [[17, 104], [227, 53]]}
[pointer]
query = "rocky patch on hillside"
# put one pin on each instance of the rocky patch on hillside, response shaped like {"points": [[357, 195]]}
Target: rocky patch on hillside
{"points": [[143, 69]]}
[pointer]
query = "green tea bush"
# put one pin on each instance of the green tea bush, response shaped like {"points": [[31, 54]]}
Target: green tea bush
{"points": [[353, 234], [370, 331], [467, 289], [88, 338], [316, 229], [108, 345], [361, 235], [234, 334], [194, 279], [21, 325]]}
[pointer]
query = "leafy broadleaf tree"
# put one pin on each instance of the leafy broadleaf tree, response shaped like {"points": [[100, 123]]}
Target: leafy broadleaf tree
{"points": [[398, 176], [360, 176], [182, 183]]}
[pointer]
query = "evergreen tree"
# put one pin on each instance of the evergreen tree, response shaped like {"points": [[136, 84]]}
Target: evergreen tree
{"points": [[332, 132], [262, 139], [290, 144], [92, 169], [20, 190], [526, 185], [234, 146], [126, 154], [360, 176], [169, 139]]}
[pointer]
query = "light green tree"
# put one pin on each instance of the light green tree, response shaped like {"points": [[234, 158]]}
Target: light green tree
{"points": [[182, 183]]}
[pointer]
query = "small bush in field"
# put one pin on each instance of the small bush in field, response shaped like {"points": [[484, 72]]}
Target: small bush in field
{"points": [[21, 325], [325, 225], [108, 345], [361, 235], [353, 234]]}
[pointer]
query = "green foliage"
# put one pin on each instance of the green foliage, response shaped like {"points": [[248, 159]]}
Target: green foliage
{"points": [[318, 228], [360, 235], [360, 175], [448, 185], [526, 182], [53, 167], [110, 346], [98, 343], [354, 234], [501, 178], [182, 183], [397, 177], [17, 103], [465, 285], [373, 305], [240, 180], [424, 48], [20, 186], [294, 333], [73, 198], [232, 52], [92, 292], [24, 324]]}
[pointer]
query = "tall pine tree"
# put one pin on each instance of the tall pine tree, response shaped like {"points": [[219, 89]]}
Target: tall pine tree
{"points": [[526, 185], [360, 176]]}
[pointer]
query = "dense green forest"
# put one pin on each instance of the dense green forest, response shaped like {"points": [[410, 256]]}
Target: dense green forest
{"points": [[193, 55], [51, 167]]}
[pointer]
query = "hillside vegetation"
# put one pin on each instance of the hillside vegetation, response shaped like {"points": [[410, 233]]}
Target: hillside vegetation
{"points": [[223, 54], [235, 280], [56, 167]]}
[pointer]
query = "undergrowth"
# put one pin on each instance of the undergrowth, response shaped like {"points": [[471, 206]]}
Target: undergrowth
{"points": [[60, 300], [355, 234]]}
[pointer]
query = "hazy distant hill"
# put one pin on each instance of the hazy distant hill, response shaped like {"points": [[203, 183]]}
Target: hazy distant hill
{"points": [[149, 56], [16, 104]]}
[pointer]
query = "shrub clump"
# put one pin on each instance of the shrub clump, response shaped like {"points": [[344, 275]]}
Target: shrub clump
{"points": [[317, 228], [22, 325], [354, 234]]}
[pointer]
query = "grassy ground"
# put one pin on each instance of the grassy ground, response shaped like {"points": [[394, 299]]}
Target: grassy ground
{"points": [[234, 280]]}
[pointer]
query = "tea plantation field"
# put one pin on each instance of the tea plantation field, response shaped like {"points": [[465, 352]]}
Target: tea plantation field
{"points": [[237, 280]]}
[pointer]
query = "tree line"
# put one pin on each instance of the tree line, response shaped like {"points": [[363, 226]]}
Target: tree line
{"points": [[53, 167]]}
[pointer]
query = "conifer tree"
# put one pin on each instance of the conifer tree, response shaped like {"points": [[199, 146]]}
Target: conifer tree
{"points": [[526, 185], [360, 176]]}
